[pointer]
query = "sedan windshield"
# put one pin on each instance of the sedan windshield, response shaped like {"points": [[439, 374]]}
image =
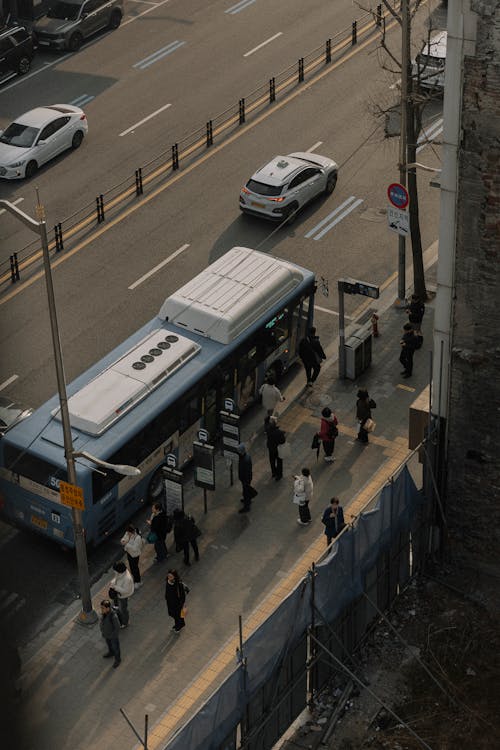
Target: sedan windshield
{"points": [[262, 189], [19, 135], [65, 11]]}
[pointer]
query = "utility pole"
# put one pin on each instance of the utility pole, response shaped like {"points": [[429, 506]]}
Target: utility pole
{"points": [[405, 64]]}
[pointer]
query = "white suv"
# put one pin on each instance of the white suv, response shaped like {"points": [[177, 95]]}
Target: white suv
{"points": [[281, 188]]}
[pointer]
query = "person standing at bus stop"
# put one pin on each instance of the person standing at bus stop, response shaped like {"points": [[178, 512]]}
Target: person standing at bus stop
{"points": [[160, 526], [312, 355], [132, 544], [110, 631], [245, 476], [122, 588], [271, 396]]}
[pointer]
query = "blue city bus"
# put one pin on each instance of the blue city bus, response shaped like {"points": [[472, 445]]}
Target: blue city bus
{"points": [[213, 339]]}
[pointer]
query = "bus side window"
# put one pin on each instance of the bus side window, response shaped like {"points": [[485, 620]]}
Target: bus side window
{"points": [[190, 411]]}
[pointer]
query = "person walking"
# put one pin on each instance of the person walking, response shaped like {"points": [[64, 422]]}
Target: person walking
{"points": [[185, 533], [311, 353], [121, 589], [132, 543], [333, 519], [328, 432], [416, 311], [275, 438], [245, 476], [271, 396], [175, 597], [303, 489], [110, 631], [364, 406], [160, 526]]}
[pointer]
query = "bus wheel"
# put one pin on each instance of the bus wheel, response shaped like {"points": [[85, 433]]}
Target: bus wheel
{"points": [[155, 489]]}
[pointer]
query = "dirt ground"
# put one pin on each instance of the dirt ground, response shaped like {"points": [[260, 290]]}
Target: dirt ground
{"points": [[437, 669]]}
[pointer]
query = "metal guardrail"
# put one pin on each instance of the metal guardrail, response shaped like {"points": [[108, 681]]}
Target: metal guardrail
{"points": [[84, 221]]}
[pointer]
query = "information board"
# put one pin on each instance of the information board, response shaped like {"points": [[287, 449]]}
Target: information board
{"points": [[230, 434], [172, 482], [204, 465]]}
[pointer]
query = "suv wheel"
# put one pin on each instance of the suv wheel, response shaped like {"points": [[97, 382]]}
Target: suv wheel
{"points": [[115, 20], [75, 42], [291, 214], [31, 168], [77, 139], [23, 65], [330, 184]]}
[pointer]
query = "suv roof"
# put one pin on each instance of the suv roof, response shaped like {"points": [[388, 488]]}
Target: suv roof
{"points": [[278, 171]]}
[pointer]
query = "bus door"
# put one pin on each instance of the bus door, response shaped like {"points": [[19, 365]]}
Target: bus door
{"points": [[220, 388], [246, 385]]}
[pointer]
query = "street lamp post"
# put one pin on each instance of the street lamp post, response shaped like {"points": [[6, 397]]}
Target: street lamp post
{"points": [[87, 615]]}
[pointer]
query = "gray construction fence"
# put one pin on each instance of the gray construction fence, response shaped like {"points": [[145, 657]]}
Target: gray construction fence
{"points": [[281, 666]]}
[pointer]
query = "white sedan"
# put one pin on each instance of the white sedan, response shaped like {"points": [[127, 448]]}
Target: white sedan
{"points": [[38, 136]]}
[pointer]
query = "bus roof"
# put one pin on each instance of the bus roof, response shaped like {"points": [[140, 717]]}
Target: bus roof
{"points": [[231, 294], [43, 434]]}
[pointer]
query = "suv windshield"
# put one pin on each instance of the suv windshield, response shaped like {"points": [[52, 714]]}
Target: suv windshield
{"points": [[19, 135], [262, 189], [65, 11]]}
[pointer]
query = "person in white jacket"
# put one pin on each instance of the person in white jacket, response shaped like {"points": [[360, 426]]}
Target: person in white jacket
{"points": [[132, 544], [271, 396], [303, 489], [122, 587]]}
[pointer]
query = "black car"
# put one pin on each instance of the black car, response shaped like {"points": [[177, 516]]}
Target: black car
{"points": [[16, 51]]}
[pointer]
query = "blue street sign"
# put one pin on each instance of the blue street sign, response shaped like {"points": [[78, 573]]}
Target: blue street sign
{"points": [[398, 195]]}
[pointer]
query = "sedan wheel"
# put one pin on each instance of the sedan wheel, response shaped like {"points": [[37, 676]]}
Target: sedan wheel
{"points": [[75, 42], [330, 184], [77, 139], [31, 168], [115, 20], [23, 65]]}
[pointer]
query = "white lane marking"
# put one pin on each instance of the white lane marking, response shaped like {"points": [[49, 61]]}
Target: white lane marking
{"points": [[339, 218], [141, 122], [157, 268], [263, 44], [11, 379], [14, 203], [80, 101], [330, 312], [313, 148], [329, 216], [145, 2], [46, 65], [239, 6], [429, 134], [158, 55]]}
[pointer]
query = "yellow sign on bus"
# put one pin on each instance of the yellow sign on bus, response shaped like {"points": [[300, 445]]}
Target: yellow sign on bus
{"points": [[72, 495]]}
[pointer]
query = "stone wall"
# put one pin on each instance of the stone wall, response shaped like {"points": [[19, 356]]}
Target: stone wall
{"points": [[473, 478]]}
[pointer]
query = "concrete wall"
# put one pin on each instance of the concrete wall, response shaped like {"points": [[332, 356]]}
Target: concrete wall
{"points": [[473, 480]]}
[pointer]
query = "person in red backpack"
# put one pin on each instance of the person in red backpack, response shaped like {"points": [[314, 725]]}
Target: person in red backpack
{"points": [[328, 432]]}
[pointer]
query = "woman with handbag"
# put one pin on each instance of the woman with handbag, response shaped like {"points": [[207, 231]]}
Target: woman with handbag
{"points": [[364, 406], [328, 432], [302, 494], [175, 597], [275, 439]]}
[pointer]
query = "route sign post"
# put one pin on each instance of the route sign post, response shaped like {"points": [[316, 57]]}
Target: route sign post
{"points": [[398, 221], [398, 197]]}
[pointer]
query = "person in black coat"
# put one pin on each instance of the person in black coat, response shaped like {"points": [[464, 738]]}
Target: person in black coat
{"points": [[408, 345], [185, 534], [160, 525], [245, 476], [175, 596], [312, 354], [275, 437], [333, 519], [364, 406], [416, 310]]}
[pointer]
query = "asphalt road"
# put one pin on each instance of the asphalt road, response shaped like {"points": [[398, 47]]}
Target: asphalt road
{"points": [[96, 307]]}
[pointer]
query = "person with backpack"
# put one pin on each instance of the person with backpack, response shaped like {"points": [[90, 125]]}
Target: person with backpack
{"points": [[132, 543], [160, 525], [185, 533], [328, 432]]}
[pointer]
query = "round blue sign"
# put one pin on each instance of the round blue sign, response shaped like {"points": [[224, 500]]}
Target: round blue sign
{"points": [[398, 195]]}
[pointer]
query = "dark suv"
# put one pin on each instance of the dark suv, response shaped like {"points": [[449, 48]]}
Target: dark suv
{"points": [[16, 51], [69, 22]]}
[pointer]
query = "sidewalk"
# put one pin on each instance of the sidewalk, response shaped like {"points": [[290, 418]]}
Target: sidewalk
{"points": [[248, 563]]}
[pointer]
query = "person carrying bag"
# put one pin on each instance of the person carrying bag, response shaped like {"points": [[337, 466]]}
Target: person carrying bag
{"points": [[302, 493]]}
